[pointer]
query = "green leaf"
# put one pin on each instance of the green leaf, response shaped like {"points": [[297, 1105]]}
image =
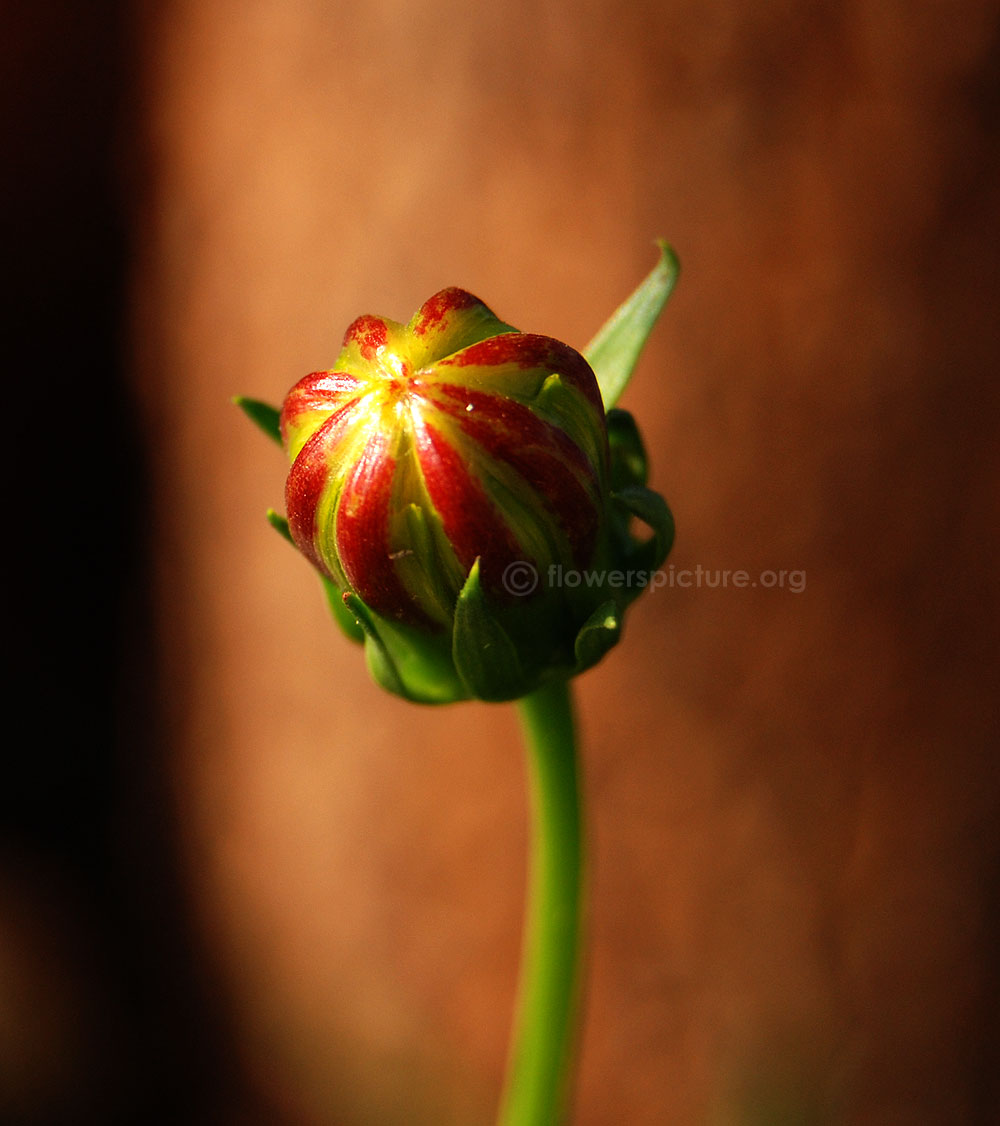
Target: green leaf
{"points": [[599, 633], [484, 655], [263, 414], [615, 350]]}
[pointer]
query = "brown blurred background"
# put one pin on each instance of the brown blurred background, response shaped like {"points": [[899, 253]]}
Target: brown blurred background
{"points": [[238, 884]]}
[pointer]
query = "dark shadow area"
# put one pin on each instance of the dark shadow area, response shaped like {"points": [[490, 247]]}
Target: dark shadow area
{"points": [[108, 1017]]}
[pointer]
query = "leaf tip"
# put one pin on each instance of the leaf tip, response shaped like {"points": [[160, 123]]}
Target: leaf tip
{"points": [[262, 414], [669, 261]]}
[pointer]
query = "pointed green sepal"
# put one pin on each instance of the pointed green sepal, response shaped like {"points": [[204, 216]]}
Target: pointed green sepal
{"points": [[652, 510], [405, 662], [484, 655], [599, 633], [615, 350], [280, 525], [380, 664], [263, 414], [418, 532], [629, 465], [423, 530]]}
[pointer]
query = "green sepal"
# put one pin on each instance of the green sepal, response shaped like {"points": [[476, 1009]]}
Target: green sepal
{"points": [[405, 662], [422, 541], [652, 510], [380, 664], [263, 414], [349, 624], [629, 465], [280, 525], [484, 655], [599, 633], [615, 350]]}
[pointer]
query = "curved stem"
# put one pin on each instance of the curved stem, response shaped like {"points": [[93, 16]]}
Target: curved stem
{"points": [[538, 1070]]}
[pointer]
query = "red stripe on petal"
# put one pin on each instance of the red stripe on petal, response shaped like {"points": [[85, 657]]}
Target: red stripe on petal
{"points": [[369, 333], [363, 535], [436, 310], [320, 392], [473, 524], [312, 473], [307, 481], [531, 352], [553, 467], [511, 423], [448, 322]]}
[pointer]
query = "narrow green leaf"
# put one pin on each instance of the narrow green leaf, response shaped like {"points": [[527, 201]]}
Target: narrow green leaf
{"points": [[484, 655], [263, 414], [615, 350], [280, 525]]}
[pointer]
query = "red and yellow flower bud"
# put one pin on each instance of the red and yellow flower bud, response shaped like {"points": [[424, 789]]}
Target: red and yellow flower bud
{"points": [[433, 445], [445, 476]]}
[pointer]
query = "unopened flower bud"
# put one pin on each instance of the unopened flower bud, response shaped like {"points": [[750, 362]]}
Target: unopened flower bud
{"points": [[446, 475]]}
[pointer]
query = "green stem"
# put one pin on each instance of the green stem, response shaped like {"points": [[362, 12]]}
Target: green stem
{"points": [[538, 1078]]}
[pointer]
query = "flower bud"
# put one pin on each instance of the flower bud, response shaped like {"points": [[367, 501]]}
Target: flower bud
{"points": [[447, 475]]}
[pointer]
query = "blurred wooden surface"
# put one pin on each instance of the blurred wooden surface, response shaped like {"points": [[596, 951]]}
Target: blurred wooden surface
{"points": [[792, 796]]}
